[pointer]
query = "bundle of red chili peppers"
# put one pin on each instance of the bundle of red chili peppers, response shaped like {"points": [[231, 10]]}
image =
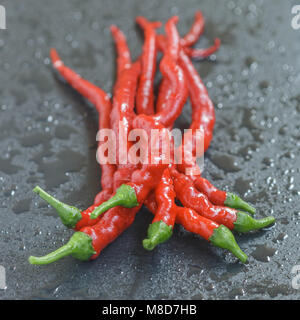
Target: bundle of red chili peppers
{"points": [[205, 210]]}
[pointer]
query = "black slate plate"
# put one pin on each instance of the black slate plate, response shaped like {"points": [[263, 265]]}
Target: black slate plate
{"points": [[48, 138]]}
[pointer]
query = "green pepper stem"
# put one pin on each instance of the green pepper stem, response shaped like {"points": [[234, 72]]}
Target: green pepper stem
{"points": [[245, 223], [234, 201], [53, 256], [69, 215], [112, 202], [158, 232], [125, 196], [222, 237], [79, 246]]}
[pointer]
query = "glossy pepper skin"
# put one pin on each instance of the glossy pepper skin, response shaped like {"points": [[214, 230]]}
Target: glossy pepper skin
{"points": [[123, 113], [167, 212], [123, 96], [123, 52], [70, 216], [218, 235], [195, 32], [203, 114], [99, 99], [87, 243], [202, 53], [150, 184], [161, 228], [235, 220], [145, 95], [221, 198], [203, 118], [128, 74], [186, 42], [176, 78], [145, 179]]}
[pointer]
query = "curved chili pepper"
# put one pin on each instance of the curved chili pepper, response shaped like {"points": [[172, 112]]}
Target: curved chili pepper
{"points": [[195, 32], [161, 228], [167, 212], [190, 197], [114, 222], [203, 118], [87, 243], [203, 114], [162, 225], [83, 218], [98, 98], [150, 202], [145, 179], [70, 216], [123, 53], [135, 192], [203, 53], [218, 235], [134, 184], [222, 198], [171, 70], [123, 114], [145, 96]]}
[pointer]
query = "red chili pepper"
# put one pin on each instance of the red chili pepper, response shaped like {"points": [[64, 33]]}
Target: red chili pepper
{"points": [[195, 32], [222, 198], [189, 39], [203, 118], [70, 216], [202, 53], [171, 71], [165, 89], [203, 113], [164, 94], [145, 179], [87, 243], [145, 95], [161, 228], [134, 184], [97, 97], [231, 218], [218, 235], [123, 53], [150, 202], [123, 114]]}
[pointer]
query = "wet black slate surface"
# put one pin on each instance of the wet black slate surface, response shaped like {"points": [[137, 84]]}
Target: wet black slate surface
{"points": [[48, 138]]}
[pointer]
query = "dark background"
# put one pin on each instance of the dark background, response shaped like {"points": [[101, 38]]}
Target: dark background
{"points": [[48, 138]]}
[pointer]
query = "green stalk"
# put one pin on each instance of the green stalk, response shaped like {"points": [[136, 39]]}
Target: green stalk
{"points": [[69, 215], [222, 237], [234, 201], [79, 246], [245, 223], [125, 196], [158, 232]]}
